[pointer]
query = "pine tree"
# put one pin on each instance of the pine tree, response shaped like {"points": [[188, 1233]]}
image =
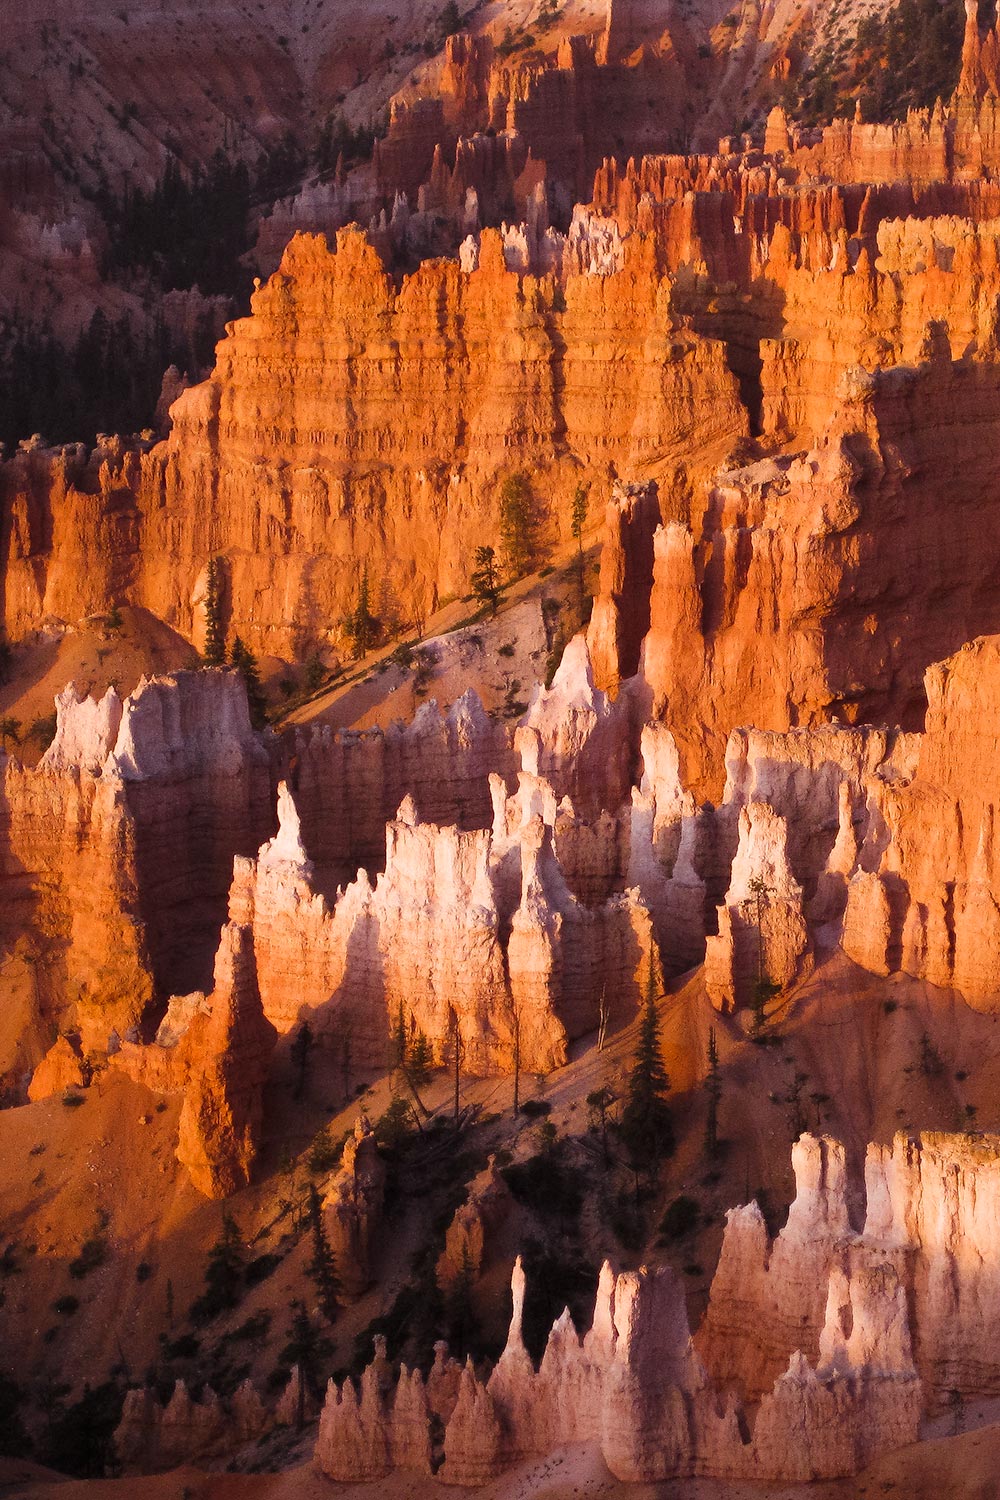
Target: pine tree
{"points": [[764, 989], [215, 643], [460, 1308], [713, 1088], [223, 1273], [306, 1349], [323, 1267], [517, 524], [361, 626], [243, 659], [485, 580], [579, 521], [300, 1052], [397, 1042], [646, 1126], [419, 1059]]}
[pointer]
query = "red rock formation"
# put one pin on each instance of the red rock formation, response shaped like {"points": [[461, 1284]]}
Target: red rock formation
{"points": [[453, 929], [352, 1209], [229, 1049], [63, 1067], [335, 475], [118, 847], [348, 785], [819, 1331], [620, 617]]}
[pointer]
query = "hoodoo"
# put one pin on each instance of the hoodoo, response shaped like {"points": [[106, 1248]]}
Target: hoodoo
{"points": [[499, 781]]}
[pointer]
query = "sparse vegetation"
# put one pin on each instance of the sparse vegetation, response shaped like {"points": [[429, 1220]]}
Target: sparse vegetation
{"points": [[243, 659], [904, 58], [517, 524], [361, 627], [322, 1267]]}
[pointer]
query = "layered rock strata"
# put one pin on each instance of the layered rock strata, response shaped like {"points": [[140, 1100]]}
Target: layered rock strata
{"points": [[493, 947], [114, 847], [482, 365]]}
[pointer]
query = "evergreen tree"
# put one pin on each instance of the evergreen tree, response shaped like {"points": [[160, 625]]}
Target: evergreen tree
{"points": [[713, 1088], [323, 1267], [485, 580], [397, 1042], [223, 1273], [10, 729], [243, 659], [517, 529], [463, 1324], [300, 1052], [420, 1060], [646, 1126], [215, 643], [361, 626], [307, 1349], [579, 521]]}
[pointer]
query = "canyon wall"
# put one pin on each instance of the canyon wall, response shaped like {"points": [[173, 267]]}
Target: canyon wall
{"points": [[801, 575], [310, 469]]}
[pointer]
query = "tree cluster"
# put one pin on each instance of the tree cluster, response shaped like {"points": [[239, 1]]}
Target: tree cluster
{"points": [[108, 381], [189, 229], [905, 58]]}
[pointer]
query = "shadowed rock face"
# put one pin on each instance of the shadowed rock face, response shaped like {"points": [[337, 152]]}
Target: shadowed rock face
{"points": [[841, 1338], [819, 1327]]}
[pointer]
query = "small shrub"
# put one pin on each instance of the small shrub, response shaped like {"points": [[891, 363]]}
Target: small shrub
{"points": [[260, 1269], [143, 1271], [680, 1219], [507, 649], [626, 1220], [547, 1183], [72, 1099], [535, 1108], [66, 1305], [185, 1347], [256, 1327], [324, 1154], [93, 1253], [395, 1125]]}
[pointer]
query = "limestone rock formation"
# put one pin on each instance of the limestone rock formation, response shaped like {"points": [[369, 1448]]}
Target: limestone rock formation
{"points": [[117, 848], [620, 617], [662, 1407], [416, 497], [352, 1208], [63, 1067], [762, 942], [454, 931], [230, 1046]]}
